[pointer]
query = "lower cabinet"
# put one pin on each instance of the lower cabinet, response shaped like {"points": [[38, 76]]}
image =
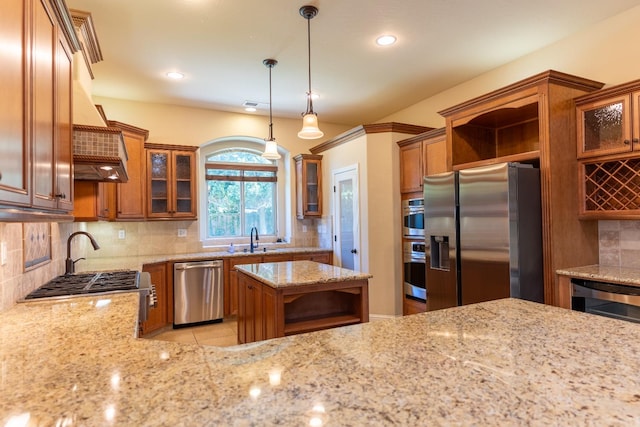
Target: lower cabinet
{"points": [[159, 316], [231, 284], [251, 327], [410, 306]]}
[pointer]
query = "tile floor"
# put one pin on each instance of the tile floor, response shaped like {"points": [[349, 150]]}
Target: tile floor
{"points": [[222, 334]]}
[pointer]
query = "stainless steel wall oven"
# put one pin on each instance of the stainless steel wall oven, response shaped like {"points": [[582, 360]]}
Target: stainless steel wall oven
{"points": [[413, 217], [606, 299], [415, 284]]}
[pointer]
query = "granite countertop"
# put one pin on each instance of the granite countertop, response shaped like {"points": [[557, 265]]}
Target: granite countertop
{"points": [[136, 262], [296, 273], [622, 275], [507, 362]]}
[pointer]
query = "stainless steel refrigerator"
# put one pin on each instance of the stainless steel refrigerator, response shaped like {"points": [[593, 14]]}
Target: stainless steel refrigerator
{"points": [[483, 232]]}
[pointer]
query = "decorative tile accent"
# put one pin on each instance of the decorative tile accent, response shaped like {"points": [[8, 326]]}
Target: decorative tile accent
{"points": [[37, 244]]}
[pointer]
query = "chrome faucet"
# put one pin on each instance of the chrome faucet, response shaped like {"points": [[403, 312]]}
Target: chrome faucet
{"points": [[252, 247], [69, 263]]}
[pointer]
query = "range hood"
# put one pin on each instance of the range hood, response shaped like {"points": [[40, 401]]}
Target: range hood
{"points": [[99, 154]]}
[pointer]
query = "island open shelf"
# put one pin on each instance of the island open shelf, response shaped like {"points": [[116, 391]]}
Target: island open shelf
{"points": [[287, 298]]}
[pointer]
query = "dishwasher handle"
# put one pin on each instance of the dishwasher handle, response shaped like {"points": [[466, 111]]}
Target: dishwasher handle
{"points": [[197, 264]]}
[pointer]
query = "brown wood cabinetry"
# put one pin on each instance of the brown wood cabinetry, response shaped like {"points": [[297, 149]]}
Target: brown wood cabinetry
{"points": [[158, 316], [35, 108], [131, 195], [91, 200], [231, 285], [533, 121], [266, 312], [411, 306], [231, 275], [308, 186], [608, 131], [171, 182], [421, 155]]}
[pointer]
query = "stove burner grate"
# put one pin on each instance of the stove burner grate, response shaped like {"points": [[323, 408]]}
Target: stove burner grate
{"points": [[87, 283]]}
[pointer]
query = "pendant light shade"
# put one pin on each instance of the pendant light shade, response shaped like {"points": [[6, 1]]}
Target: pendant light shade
{"points": [[270, 147], [310, 129]]}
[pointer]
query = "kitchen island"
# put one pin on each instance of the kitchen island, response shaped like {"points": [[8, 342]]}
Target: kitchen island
{"points": [[505, 362], [276, 299]]}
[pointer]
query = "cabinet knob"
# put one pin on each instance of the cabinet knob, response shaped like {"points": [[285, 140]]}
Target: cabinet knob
{"points": [[634, 140], [61, 196], [354, 251], [626, 142]]}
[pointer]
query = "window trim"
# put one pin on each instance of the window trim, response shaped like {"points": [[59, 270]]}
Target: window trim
{"points": [[284, 193]]}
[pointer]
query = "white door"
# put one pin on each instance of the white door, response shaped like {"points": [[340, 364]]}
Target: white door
{"points": [[346, 204]]}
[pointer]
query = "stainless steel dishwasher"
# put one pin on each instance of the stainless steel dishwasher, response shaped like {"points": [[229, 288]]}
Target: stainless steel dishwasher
{"points": [[197, 293]]}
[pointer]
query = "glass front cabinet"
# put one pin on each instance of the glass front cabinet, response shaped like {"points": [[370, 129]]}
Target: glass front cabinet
{"points": [[171, 192], [608, 125], [308, 186]]}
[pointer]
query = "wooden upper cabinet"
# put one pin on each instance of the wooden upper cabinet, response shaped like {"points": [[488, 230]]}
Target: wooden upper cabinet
{"points": [[131, 195], [43, 132], [63, 126], [411, 167], [434, 152], [608, 121], [421, 155], [14, 162], [35, 107], [308, 186], [171, 182], [608, 128]]}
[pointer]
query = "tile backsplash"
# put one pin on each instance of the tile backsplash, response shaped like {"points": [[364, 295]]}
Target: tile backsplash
{"points": [[619, 243], [15, 282]]}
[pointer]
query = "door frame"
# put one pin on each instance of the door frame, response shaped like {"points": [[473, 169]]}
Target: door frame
{"points": [[355, 170]]}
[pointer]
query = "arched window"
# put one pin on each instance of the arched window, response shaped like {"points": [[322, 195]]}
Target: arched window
{"points": [[241, 190]]}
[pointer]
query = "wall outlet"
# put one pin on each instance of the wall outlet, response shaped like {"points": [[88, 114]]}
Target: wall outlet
{"points": [[121, 234], [304, 228], [3, 253], [182, 232]]}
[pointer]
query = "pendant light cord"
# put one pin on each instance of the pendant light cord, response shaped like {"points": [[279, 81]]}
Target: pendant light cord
{"points": [[309, 98], [270, 109]]}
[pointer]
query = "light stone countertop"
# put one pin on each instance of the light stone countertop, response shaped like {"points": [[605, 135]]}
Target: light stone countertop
{"points": [[622, 275], [136, 262], [507, 362], [295, 273]]}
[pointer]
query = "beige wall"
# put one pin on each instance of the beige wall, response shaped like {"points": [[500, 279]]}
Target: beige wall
{"points": [[172, 124], [377, 157]]}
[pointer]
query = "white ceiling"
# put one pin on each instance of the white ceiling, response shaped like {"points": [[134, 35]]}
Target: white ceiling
{"points": [[220, 44]]}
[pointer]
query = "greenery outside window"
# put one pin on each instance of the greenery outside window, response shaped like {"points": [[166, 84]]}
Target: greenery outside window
{"points": [[241, 189]]}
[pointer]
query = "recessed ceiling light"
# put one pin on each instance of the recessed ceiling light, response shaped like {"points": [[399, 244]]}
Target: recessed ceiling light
{"points": [[386, 40], [250, 106], [175, 75]]}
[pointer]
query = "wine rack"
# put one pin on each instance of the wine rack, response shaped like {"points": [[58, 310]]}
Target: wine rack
{"points": [[611, 188]]}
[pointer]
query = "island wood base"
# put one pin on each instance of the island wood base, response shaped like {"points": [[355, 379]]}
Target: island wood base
{"points": [[265, 312]]}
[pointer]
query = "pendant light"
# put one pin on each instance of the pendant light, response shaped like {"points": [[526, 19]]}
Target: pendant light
{"points": [[270, 147], [310, 128]]}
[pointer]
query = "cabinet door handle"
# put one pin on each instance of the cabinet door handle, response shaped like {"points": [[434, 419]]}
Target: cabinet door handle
{"points": [[634, 140], [61, 196], [626, 142]]}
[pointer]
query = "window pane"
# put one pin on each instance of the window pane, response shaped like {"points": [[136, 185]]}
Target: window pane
{"points": [[259, 211], [223, 216], [222, 172], [239, 156], [268, 174]]}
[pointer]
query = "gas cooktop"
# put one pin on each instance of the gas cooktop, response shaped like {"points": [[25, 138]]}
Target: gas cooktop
{"points": [[87, 283]]}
